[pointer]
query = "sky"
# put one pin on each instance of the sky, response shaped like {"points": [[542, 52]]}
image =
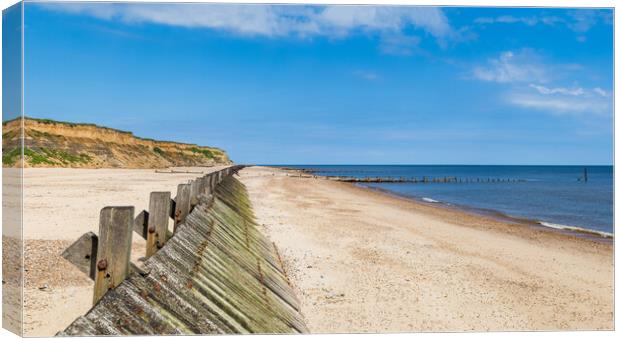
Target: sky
{"points": [[332, 84]]}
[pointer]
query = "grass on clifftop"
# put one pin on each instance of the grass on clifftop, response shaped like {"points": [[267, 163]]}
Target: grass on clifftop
{"points": [[206, 153], [77, 124]]}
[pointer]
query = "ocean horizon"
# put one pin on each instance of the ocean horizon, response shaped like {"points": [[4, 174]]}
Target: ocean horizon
{"points": [[553, 196]]}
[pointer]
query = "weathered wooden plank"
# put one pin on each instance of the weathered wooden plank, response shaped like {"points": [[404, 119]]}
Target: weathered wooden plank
{"points": [[159, 211], [141, 223], [194, 191], [113, 249], [213, 180], [182, 205], [200, 184], [208, 184], [217, 275], [83, 253]]}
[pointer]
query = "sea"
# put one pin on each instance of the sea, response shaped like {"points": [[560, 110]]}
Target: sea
{"points": [[551, 196]]}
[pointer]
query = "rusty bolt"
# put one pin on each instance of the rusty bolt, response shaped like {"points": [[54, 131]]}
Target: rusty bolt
{"points": [[151, 229], [102, 264]]}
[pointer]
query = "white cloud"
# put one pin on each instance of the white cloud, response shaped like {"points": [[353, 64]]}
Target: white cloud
{"points": [[600, 92], [527, 78], [559, 90], [272, 20], [521, 66], [527, 20], [562, 105], [563, 101]]}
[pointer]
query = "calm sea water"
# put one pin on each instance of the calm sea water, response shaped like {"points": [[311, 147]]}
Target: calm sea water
{"points": [[551, 195]]}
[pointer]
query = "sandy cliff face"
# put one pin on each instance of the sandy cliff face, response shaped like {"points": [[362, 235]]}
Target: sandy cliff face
{"points": [[59, 144]]}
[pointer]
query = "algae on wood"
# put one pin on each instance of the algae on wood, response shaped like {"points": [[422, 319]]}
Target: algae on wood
{"points": [[218, 274]]}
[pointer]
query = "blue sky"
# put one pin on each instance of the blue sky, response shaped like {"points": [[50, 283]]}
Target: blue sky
{"points": [[333, 85]]}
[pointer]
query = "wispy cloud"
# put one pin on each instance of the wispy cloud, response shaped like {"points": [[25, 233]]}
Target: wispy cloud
{"points": [[389, 23], [564, 101], [398, 44], [528, 80], [577, 91], [584, 19], [519, 66], [366, 75], [527, 20], [562, 105], [578, 20]]}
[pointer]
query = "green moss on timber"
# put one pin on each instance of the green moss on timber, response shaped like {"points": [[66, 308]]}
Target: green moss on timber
{"points": [[217, 274], [9, 158]]}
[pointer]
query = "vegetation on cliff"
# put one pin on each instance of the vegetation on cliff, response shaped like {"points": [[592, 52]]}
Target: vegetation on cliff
{"points": [[49, 143]]}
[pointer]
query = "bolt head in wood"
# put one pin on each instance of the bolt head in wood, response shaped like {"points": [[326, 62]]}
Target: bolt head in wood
{"points": [[102, 264]]}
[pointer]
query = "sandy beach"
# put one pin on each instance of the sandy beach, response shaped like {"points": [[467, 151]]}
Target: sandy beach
{"points": [[365, 261], [360, 260], [61, 205]]}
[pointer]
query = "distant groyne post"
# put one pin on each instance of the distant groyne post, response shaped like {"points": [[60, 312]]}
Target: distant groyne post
{"points": [[182, 204], [159, 213]]}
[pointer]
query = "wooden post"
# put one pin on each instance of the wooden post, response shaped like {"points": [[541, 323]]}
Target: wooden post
{"points": [[114, 248], [194, 191], [182, 205], [213, 180], [159, 209], [208, 185], [83, 254], [141, 223], [210, 181], [201, 185]]}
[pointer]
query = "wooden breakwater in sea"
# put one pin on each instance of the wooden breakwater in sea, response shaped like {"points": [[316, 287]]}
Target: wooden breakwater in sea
{"points": [[424, 179], [310, 173], [214, 274], [446, 179]]}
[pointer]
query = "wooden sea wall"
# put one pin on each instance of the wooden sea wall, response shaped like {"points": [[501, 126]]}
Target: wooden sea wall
{"points": [[217, 275]]}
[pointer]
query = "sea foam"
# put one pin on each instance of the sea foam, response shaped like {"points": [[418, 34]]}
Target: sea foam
{"points": [[577, 229]]}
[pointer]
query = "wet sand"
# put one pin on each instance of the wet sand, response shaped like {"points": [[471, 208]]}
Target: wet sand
{"points": [[366, 261]]}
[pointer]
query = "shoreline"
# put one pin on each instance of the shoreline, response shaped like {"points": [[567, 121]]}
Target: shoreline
{"points": [[576, 231], [365, 261]]}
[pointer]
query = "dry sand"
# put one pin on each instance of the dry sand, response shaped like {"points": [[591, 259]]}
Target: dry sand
{"points": [[61, 205], [365, 261]]}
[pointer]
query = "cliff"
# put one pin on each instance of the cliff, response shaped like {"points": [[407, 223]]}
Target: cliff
{"points": [[49, 143]]}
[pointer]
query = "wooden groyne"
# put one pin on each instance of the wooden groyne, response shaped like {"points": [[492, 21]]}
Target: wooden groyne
{"points": [[446, 179], [423, 179], [214, 274]]}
